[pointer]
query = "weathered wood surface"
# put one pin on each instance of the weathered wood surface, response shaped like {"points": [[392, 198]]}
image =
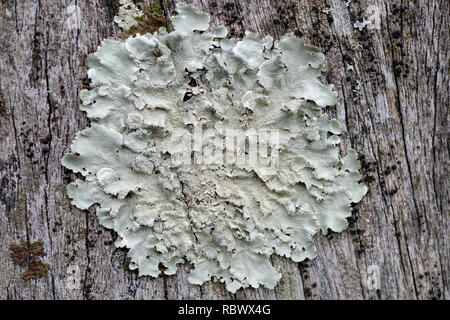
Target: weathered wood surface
{"points": [[393, 106]]}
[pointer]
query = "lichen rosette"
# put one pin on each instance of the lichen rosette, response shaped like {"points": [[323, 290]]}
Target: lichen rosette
{"points": [[226, 219]]}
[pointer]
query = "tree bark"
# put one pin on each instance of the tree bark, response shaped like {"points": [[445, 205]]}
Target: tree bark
{"points": [[393, 90]]}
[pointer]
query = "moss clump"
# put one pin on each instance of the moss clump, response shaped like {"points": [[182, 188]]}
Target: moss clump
{"points": [[151, 21], [27, 254], [156, 7]]}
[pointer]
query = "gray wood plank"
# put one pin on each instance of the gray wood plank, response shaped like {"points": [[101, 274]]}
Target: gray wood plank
{"points": [[393, 92]]}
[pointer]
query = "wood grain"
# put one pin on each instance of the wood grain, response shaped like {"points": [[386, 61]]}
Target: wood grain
{"points": [[393, 102]]}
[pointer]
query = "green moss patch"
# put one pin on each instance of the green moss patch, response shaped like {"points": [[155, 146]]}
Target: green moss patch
{"points": [[27, 255]]}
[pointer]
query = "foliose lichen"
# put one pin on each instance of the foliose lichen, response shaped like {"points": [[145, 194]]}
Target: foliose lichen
{"points": [[151, 20], [149, 92]]}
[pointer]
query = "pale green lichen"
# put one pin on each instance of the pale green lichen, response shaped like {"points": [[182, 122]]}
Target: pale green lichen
{"points": [[128, 15], [225, 219]]}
